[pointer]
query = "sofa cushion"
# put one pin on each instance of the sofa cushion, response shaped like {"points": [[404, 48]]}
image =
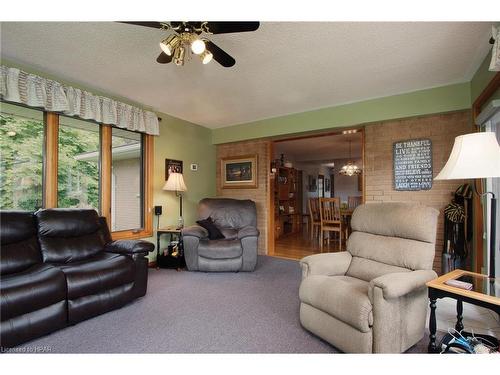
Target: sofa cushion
{"points": [[343, 297], [33, 289], [393, 251], [397, 219], [101, 272], [220, 249], [69, 235], [228, 212], [19, 244], [67, 222]]}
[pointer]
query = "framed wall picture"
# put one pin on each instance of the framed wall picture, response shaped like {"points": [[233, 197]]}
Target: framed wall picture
{"points": [[412, 165], [172, 165], [239, 172]]}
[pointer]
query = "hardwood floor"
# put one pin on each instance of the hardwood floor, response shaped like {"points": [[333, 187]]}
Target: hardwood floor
{"points": [[299, 245]]}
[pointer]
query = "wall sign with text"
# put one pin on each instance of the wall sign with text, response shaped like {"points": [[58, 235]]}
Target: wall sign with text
{"points": [[412, 161]]}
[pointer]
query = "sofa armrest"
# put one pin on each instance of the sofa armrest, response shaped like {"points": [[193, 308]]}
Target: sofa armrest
{"points": [[129, 247], [248, 232], [395, 285], [327, 264], [194, 231]]}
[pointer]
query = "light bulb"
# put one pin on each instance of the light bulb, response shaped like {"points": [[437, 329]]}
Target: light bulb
{"points": [[169, 44], [206, 57], [197, 46]]}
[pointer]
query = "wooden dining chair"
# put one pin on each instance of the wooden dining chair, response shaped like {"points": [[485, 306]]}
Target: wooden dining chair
{"points": [[331, 220], [353, 202], [314, 217]]}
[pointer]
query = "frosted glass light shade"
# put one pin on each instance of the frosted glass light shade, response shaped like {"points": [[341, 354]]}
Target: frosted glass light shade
{"points": [[475, 155], [175, 182], [197, 46]]}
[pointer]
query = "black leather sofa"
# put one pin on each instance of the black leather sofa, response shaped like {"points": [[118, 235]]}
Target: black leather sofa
{"points": [[59, 267]]}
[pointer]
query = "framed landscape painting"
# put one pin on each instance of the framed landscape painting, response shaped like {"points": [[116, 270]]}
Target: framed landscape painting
{"points": [[239, 172]]}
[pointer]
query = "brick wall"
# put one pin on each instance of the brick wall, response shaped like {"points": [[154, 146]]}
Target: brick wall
{"points": [[258, 195], [379, 138]]}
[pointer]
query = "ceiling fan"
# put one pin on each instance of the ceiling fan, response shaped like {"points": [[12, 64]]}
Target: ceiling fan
{"points": [[191, 38]]}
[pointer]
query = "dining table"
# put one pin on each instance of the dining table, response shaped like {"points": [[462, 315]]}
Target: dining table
{"points": [[346, 214]]}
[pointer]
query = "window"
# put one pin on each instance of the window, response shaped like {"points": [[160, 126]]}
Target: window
{"points": [[78, 165], [21, 158], [126, 180], [50, 160]]}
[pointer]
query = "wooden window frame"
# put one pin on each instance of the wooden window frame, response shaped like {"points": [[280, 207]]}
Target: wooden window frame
{"points": [[148, 167], [50, 159], [50, 179]]}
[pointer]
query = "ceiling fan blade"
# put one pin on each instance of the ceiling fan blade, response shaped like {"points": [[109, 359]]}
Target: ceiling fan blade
{"points": [[163, 58], [219, 55], [155, 25], [231, 27]]}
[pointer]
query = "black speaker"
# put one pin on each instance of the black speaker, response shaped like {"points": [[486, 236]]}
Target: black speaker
{"points": [[158, 210]]}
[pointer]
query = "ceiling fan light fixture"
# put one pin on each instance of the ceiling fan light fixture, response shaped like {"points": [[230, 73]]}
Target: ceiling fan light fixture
{"points": [[206, 57], [179, 55], [197, 45], [169, 44]]}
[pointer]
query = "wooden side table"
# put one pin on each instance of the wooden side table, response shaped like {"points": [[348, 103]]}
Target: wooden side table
{"points": [[176, 262], [484, 293]]}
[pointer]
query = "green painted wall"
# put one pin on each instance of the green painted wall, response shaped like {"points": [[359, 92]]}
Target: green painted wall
{"points": [[423, 102], [190, 143], [481, 78]]}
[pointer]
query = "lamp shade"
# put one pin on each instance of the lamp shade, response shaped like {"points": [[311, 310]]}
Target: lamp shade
{"points": [[475, 155], [175, 182]]}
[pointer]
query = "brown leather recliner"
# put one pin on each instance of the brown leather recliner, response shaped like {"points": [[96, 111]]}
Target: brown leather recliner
{"points": [[59, 267]]}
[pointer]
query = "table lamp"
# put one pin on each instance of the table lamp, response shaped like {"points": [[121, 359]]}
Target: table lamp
{"points": [[176, 183], [476, 155]]}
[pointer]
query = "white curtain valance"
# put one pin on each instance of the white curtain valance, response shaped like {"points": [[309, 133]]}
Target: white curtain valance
{"points": [[31, 90]]}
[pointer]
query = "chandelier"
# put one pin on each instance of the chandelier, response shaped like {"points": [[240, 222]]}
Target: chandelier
{"points": [[350, 169], [185, 42]]}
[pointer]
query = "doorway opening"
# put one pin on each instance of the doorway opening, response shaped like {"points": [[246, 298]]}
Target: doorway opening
{"points": [[312, 199]]}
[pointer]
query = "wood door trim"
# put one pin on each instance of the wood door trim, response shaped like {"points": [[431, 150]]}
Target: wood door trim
{"points": [[270, 198], [478, 224], [317, 135], [270, 203]]}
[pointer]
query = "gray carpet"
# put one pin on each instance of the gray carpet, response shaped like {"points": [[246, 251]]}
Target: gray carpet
{"points": [[196, 312]]}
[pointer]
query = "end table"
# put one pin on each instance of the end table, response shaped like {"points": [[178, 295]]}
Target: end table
{"points": [[484, 293], [167, 260]]}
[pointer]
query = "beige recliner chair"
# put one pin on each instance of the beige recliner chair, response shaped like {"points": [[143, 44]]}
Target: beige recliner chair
{"points": [[372, 298]]}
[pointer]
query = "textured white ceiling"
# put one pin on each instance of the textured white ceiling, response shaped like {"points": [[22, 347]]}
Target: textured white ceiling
{"points": [[326, 148], [282, 68]]}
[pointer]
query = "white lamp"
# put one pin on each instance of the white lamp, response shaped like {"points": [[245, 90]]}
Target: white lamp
{"points": [[476, 155], [176, 183]]}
